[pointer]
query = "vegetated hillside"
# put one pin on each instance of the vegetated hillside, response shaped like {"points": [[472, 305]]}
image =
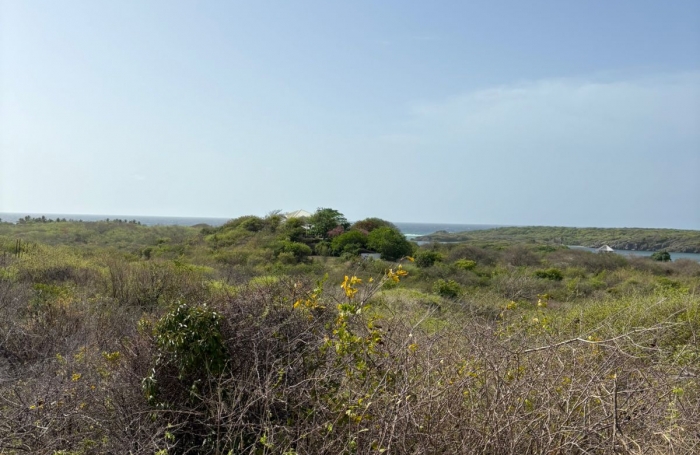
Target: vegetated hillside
{"points": [[122, 235], [682, 241], [266, 336]]}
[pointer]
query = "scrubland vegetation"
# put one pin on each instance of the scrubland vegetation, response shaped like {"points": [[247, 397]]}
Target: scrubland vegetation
{"points": [[682, 241], [272, 336]]}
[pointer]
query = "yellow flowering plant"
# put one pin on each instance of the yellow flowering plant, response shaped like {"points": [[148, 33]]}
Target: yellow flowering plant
{"points": [[345, 339]]}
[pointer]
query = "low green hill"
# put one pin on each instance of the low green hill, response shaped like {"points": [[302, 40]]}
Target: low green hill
{"points": [[636, 239]]}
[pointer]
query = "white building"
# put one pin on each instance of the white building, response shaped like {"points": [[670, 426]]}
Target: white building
{"points": [[296, 214]]}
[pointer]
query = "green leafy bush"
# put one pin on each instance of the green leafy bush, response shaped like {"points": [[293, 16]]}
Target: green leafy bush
{"points": [[391, 244], [348, 242], [323, 248], [189, 339], [447, 288], [553, 274], [427, 258], [294, 229], [465, 264], [325, 220], [370, 224], [299, 251], [253, 224], [662, 256]]}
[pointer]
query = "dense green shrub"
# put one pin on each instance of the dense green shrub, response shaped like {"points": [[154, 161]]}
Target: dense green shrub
{"points": [[550, 274], [189, 339], [253, 224], [370, 224], [662, 256], [427, 258], [668, 283], [324, 220], [348, 242], [482, 256], [323, 248], [294, 229], [299, 251], [391, 244], [465, 264], [447, 288]]}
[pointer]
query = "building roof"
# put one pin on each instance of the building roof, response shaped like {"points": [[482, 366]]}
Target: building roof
{"points": [[297, 214]]}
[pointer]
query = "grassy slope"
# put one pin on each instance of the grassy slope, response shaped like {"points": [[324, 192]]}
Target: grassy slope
{"points": [[122, 236]]}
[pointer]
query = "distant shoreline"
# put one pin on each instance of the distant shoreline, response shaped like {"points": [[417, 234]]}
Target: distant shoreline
{"points": [[627, 239]]}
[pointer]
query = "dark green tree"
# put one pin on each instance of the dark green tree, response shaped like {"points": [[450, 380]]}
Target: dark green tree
{"points": [[427, 258], [370, 224], [390, 243], [294, 229], [349, 242], [662, 256], [325, 220]]}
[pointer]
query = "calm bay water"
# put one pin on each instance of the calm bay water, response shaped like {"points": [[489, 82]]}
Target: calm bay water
{"points": [[674, 256]]}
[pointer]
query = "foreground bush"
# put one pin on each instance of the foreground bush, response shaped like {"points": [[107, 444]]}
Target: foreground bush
{"points": [[447, 288]]}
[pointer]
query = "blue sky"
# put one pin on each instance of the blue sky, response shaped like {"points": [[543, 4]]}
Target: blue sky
{"points": [[524, 113]]}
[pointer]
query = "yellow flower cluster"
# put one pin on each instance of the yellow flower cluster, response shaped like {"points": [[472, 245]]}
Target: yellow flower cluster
{"points": [[311, 302], [396, 276], [349, 286]]}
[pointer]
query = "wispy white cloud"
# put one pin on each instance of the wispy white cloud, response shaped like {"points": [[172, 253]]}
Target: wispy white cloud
{"points": [[587, 120], [591, 151], [664, 104]]}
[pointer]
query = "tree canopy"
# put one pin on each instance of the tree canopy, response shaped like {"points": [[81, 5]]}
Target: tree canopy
{"points": [[349, 242], [370, 224], [662, 256], [325, 220], [390, 243]]}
